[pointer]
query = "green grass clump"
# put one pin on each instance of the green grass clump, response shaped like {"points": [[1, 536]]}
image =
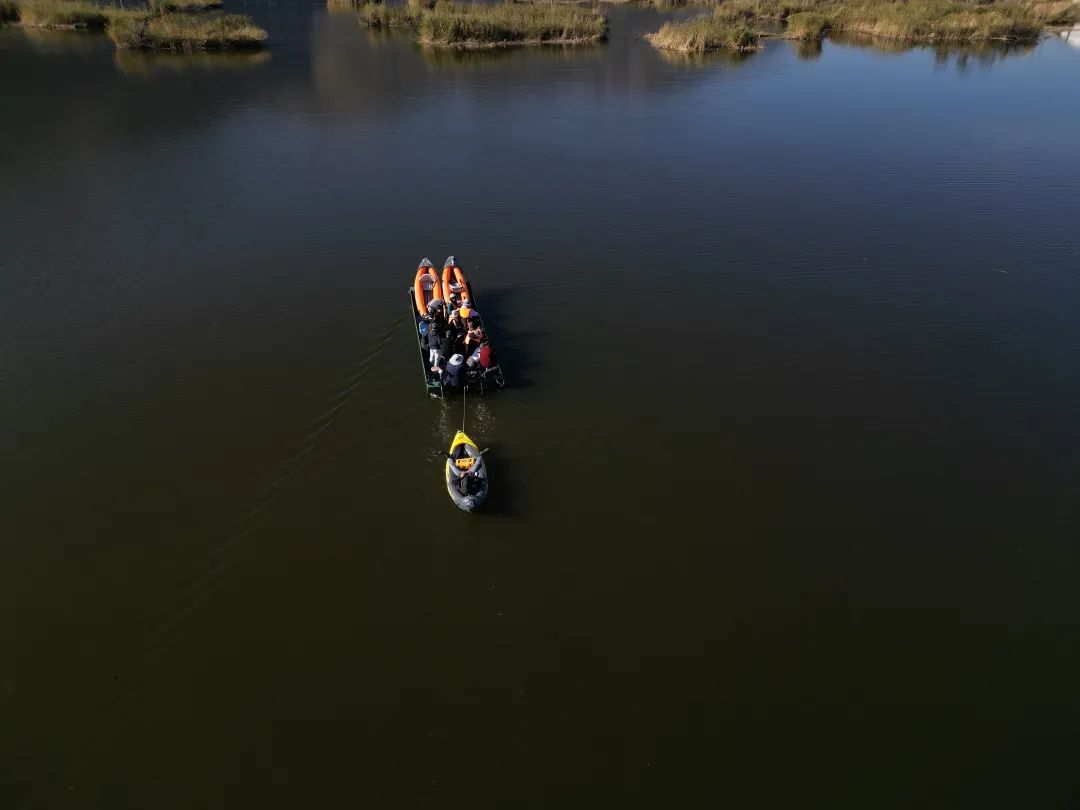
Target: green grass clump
{"points": [[712, 32], [475, 25], [186, 6], [60, 14], [380, 15], [806, 26], [185, 32]]}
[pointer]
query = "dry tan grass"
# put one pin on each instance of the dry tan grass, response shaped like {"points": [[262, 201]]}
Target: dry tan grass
{"points": [[712, 32], [60, 14], [186, 32], [380, 15], [478, 25], [912, 21]]}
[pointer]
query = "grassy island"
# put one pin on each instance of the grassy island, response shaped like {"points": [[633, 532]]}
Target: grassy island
{"points": [[186, 32], [712, 32], [480, 26], [475, 25], [909, 21], [154, 27]]}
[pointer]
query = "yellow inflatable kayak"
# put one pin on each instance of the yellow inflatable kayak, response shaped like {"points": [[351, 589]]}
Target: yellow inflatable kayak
{"points": [[466, 473]]}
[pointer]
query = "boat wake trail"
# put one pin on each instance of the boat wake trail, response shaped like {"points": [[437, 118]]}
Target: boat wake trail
{"points": [[317, 441]]}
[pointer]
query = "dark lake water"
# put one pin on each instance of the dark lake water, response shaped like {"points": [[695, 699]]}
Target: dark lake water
{"points": [[785, 484]]}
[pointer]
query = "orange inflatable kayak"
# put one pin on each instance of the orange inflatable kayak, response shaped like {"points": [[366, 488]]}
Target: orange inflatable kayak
{"points": [[454, 282], [426, 287]]}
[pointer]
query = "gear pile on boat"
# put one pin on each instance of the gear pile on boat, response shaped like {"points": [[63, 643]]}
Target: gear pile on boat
{"points": [[455, 348]]}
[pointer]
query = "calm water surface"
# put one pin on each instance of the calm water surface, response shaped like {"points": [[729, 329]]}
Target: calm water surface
{"points": [[785, 502]]}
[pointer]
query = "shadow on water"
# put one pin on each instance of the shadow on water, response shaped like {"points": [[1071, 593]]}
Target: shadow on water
{"points": [[78, 41], [506, 482], [141, 63], [514, 348]]}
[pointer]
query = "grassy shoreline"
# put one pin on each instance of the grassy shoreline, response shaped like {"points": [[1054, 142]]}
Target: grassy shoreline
{"points": [[475, 25], [911, 21]]}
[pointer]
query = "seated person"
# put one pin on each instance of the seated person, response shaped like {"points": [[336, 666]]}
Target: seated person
{"points": [[466, 311], [486, 356], [474, 355], [455, 371]]}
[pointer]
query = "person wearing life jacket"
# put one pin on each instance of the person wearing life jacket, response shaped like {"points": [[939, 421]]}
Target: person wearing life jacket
{"points": [[466, 311], [474, 337], [466, 478], [468, 473]]}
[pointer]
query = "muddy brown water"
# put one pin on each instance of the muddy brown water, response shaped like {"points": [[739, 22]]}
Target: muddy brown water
{"points": [[784, 505]]}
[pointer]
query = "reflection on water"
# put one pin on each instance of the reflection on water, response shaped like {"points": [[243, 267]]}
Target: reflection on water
{"points": [[707, 59], [963, 54], [808, 50], [131, 62], [963, 58], [502, 57], [1071, 37], [378, 37], [68, 41], [143, 63]]}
